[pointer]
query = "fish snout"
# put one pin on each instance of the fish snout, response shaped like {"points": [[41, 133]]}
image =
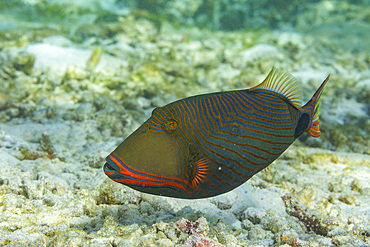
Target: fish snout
{"points": [[110, 169], [107, 167]]}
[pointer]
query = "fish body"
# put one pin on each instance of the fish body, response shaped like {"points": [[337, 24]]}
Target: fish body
{"points": [[207, 145]]}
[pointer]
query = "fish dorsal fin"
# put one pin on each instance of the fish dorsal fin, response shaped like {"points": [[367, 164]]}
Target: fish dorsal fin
{"points": [[284, 84]]}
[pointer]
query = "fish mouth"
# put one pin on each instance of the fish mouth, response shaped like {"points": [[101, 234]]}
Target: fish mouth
{"points": [[110, 169]]}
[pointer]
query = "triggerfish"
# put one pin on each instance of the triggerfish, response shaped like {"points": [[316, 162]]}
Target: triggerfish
{"points": [[209, 144]]}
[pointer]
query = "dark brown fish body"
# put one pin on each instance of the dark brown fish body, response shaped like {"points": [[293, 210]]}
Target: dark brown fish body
{"points": [[207, 145]]}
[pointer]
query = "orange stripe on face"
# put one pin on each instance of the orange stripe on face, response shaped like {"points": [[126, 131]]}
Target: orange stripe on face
{"points": [[109, 173], [138, 182], [158, 180]]}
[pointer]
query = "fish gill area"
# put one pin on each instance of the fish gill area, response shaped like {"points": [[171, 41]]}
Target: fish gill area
{"points": [[77, 77]]}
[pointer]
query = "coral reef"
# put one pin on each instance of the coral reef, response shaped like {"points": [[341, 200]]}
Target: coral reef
{"points": [[197, 231], [78, 76]]}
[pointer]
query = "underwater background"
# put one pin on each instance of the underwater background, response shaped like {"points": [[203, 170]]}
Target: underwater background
{"points": [[77, 77]]}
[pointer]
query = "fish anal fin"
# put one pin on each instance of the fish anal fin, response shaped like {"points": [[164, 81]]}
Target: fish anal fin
{"points": [[266, 169], [284, 84]]}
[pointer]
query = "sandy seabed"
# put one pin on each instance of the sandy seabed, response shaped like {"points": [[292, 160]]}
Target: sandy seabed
{"points": [[64, 106]]}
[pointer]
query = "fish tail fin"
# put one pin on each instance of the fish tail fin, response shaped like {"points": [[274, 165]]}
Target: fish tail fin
{"points": [[313, 108]]}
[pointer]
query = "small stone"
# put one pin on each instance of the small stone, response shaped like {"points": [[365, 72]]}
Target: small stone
{"points": [[336, 230], [24, 62], [258, 233], [274, 224], [254, 214], [289, 237], [146, 208], [49, 200], [348, 199], [247, 224]]}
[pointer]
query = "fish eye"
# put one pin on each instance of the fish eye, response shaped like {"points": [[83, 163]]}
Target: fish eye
{"points": [[171, 125]]}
